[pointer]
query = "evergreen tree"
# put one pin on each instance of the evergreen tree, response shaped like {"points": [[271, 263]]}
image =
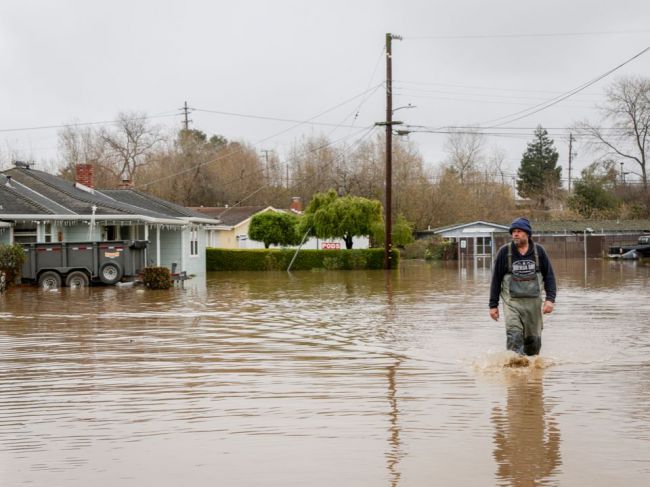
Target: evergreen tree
{"points": [[538, 176]]}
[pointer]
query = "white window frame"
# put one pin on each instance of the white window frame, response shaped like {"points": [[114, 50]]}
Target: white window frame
{"points": [[194, 243]]}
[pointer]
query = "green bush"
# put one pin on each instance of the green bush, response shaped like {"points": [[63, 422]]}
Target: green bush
{"points": [[416, 250], [440, 249], [157, 277], [12, 258], [279, 259]]}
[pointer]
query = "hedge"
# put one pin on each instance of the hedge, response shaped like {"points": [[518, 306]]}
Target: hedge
{"points": [[279, 259]]}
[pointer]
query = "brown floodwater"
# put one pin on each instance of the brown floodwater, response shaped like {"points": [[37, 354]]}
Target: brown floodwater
{"points": [[326, 378]]}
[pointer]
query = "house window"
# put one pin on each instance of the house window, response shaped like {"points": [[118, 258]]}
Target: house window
{"points": [[194, 243], [483, 245], [25, 233], [47, 232], [110, 232]]}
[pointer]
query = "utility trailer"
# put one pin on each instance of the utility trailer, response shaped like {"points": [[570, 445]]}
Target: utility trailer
{"points": [[78, 264], [632, 250]]}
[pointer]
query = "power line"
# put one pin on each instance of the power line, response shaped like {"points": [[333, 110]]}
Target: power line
{"points": [[272, 119], [299, 180], [554, 101], [527, 35], [474, 87], [83, 124]]}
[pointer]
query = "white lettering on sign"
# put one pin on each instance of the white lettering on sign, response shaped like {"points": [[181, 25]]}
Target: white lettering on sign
{"points": [[523, 267], [331, 246]]}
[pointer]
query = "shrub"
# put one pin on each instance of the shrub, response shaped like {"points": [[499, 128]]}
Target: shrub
{"points": [[157, 277], [416, 250], [279, 259], [12, 258], [440, 249]]}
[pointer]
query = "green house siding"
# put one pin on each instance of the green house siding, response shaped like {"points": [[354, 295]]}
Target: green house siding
{"points": [[5, 236], [194, 264], [79, 233], [170, 248]]}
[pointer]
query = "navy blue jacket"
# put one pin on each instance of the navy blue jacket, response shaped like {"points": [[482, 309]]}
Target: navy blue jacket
{"points": [[500, 269]]}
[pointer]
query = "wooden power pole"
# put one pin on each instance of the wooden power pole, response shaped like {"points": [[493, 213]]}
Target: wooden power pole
{"points": [[388, 238]]}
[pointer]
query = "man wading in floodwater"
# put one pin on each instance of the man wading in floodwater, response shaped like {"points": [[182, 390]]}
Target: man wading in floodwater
{"points": [[519, 270]]}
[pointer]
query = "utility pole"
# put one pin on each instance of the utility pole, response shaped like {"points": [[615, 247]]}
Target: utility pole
{"points": [[266, 158], [388, 239], [186, 112], [570, 158]]}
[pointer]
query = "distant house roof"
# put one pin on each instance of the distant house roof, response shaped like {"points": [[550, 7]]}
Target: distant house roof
{"points": [[475, 227], [598, 226], [231, 215], [547, 227], [28, 193]]}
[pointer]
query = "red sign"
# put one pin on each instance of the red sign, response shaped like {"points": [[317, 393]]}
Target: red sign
{"points": [[331, 246]]}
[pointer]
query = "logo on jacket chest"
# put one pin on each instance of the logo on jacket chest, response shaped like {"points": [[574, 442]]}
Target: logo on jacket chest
{"points": [[523, 267]]}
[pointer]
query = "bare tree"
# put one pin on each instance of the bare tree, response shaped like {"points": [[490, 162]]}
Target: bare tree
{"points": [[497, 165], [627, 109], [130, 143], [82, 145], [465, 152]]}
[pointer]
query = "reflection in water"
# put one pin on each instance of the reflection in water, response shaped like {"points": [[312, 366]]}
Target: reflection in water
{"points": [[395, 453], [526, 437], [276, 380]]}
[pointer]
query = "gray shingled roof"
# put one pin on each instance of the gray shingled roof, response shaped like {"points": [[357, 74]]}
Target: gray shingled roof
{"points": [[141, 200], [13, 201], [33, 192], [230, 216]]}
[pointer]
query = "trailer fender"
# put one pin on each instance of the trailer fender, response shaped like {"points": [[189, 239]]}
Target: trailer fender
{"points": [[110, 272]]}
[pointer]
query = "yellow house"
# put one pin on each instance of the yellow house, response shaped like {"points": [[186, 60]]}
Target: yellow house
{"points": [[232, 232]]}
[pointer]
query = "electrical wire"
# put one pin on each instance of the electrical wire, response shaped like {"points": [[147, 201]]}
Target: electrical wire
{"points": [[526, 35], [554, 101], [368, 131], [83, 124], [272, 119], [259, 141]]}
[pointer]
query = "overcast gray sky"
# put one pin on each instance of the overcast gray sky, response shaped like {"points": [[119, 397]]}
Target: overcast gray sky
{"points": [[461, 63]]}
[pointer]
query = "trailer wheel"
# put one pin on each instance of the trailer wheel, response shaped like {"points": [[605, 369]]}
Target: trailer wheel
{"points": [[110, 272], [77, 279], [49, 280]]}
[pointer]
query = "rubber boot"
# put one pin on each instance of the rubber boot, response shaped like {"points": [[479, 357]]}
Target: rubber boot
{"points": [[532, 345], [515, 341]]}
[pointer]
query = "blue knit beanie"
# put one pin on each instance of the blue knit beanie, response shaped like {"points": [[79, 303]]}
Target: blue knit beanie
{"points": [[522, 224]]}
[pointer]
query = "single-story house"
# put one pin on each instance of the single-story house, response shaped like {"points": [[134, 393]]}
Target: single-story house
{"points": [[232, 232], [475, 239], [569, 239], [39, 207]]}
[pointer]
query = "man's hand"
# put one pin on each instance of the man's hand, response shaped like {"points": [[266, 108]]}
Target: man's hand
{"points": [[494, 314], [547, 308]]}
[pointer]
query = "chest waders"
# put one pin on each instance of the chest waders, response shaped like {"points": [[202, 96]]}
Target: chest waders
{"points": [[522, 304]]}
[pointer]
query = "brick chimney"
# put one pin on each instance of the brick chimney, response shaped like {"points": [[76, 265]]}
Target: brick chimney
{"points": [[296, 204], [84, 175]]}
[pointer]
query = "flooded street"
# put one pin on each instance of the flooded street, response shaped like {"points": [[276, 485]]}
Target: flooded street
{"points": [[326, 378]]}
